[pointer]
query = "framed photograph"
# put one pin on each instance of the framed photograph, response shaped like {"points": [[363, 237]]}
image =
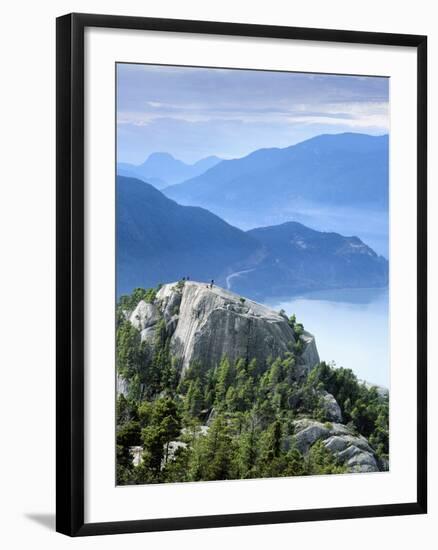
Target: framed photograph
{"points": [[241, 274]]}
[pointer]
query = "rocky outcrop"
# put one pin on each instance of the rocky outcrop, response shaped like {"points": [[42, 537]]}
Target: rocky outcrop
{"points": [[353, 451], [122, 386], [144, 316], [310, 353], [206, 323], [331, 408]]}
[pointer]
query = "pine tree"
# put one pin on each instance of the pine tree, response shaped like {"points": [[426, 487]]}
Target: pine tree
{"points": [[212, 457], [194, 400], [246, 455], [270, 450], [224, 379], [164, 426], [129, 357]]}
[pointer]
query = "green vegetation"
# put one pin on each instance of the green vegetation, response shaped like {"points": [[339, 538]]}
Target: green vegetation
{"points": [[129, 302], [298, 330], [232, 422], [362, 407], [149, 369]]}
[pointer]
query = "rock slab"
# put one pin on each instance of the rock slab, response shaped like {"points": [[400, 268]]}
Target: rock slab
{"points": [[206, 323]]}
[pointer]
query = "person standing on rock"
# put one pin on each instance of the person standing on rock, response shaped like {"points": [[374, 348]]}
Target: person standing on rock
{"points": [[212, 283]]}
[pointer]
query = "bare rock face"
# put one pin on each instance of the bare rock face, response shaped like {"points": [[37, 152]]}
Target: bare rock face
{"points": [[331, 407], [207, 323], [352, 450], [122, 386], [144, 316], [310, 353]]}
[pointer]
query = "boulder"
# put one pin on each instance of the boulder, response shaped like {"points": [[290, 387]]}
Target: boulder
{"points": [[358, 461], [353, 451], [144, 315], [148, 335], [122, 386], [338, 444], [331, 408], [171, 449], [309, 435]]}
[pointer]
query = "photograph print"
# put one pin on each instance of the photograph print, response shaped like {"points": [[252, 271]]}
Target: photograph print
{"points": [[252, 274]]}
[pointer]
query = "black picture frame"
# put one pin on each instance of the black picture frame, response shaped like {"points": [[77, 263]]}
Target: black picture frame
{"points": [[70, 273]]}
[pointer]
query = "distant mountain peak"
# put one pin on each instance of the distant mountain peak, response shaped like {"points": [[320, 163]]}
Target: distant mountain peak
{"points": [[162, 169], [210, 158], [161, 156]]}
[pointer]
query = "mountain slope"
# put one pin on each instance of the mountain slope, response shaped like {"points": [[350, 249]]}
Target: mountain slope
{"points": [[301, 259], [211, 373], [131, 171], [159, 240], [162, 169], [270, 186]]}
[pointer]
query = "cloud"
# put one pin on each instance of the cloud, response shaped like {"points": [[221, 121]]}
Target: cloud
{"points": [[230, 111]]}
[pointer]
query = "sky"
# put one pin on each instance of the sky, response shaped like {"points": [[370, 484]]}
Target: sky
{"points": [[193, 113]]}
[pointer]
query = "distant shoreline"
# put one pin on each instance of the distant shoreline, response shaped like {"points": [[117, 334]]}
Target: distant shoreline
{"points": [[322, 294]]}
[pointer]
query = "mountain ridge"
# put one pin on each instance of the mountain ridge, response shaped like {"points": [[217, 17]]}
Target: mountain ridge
{"points": [[331, 182], [162, 169], [159, 240]]}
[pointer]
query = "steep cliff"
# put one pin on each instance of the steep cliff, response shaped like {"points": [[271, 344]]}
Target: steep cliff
{"points": [[205, 323]]}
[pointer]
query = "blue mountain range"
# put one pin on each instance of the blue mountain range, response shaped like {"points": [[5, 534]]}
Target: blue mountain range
{"points": [[334, 169], [162, 169], [336, 182], [160, 241]]}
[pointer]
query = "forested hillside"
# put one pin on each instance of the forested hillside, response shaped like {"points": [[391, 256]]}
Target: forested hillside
{"points": [[236, 418]]}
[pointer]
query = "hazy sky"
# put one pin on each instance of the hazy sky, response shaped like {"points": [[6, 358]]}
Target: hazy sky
{"points": [[195, 112]]}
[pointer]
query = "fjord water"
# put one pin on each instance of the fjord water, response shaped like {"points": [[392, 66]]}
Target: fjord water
{"points": [[351, 327]]}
